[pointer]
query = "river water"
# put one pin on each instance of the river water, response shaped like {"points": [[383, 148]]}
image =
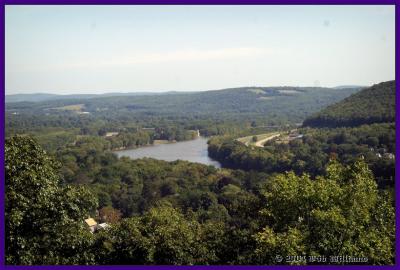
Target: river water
{"points": [[193, 151]]}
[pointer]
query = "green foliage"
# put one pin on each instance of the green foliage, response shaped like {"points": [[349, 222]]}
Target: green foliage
{"points": [[161, 236], [289, 200], [332, 215], [44, 221], [375, 104], [271, 244], [311, 153], [184, 213], [172, 116]]}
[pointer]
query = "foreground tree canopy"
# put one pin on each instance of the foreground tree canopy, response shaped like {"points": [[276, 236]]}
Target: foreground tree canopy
{"points": [[182, 213], [44, 221]]}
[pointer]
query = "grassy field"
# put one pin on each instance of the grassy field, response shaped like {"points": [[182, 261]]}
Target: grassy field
{"points": [[257, 91], [248, 140], [74, 107]]}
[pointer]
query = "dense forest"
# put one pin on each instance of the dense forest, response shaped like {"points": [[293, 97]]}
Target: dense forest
{"points": [[375, 104], [374, 141], [187, 213], [55, 123], [315, 191]]}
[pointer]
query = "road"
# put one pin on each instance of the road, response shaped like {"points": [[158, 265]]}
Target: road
{"points": [[260, 143]]}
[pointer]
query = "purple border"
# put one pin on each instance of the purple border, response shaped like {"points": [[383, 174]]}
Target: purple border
{"points": [[2, 111], [202, 2], [187, 2], [397, 187]]}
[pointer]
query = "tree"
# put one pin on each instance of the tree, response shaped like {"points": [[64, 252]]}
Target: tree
{"points": [[109, 214], [340, 214], [44, 221], [161, 236], [373, 141]]}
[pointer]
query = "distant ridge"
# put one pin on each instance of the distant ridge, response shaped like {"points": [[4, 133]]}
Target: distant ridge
{"points": [[349, 86], [296, 103], [38, 97]]}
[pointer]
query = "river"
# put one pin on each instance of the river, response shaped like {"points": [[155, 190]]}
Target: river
{"points": [[193, 151]]}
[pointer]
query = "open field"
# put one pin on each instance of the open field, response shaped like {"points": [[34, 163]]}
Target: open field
{"points": [[261, 139], [261, 142], [257, 91], [74, 107]]}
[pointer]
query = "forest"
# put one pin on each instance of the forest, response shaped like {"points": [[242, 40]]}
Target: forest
{"points": [[55, 123], [328, 192], [374, 139], [375, 104]]}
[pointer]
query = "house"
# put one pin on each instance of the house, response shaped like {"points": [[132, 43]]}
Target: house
{"points": [[92, 224]]}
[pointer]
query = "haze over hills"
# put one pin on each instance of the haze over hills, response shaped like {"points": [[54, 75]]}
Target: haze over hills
{"points": [[349, 86], [38, 97]]}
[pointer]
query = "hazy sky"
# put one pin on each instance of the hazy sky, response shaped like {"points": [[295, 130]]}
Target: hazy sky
{"points": [[97, 49]]}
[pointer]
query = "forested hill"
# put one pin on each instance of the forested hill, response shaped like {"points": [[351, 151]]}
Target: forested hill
{"points": [[295, 103], [375, 104]]}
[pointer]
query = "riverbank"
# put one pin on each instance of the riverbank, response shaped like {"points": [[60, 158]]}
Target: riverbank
{"points": [[155, 143], [195, 134]]}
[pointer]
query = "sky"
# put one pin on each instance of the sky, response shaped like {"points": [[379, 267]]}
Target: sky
{"points": [[103, 49]]}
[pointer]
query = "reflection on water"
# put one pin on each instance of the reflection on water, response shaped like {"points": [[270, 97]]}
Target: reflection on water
{"points": [[193, 151]]}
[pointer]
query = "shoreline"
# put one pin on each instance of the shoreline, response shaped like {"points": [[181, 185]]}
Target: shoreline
{"points": [[151, 145]]}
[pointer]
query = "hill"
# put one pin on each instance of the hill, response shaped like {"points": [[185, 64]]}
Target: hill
{"points": [[375, 104], [167, 116], [294, 103]]}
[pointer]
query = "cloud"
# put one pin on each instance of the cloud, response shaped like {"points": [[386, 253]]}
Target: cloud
{"points": [[134, 59], [131, 59]]}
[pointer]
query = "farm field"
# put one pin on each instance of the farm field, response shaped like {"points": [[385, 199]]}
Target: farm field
{"points": [[258, 140]]}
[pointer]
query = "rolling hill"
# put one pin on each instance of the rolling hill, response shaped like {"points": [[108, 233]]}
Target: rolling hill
{"points": [[294, 103], [375, 104]]}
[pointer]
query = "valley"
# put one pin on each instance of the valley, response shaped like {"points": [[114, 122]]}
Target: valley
{"points": [[207, 135], [227, 176]]}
